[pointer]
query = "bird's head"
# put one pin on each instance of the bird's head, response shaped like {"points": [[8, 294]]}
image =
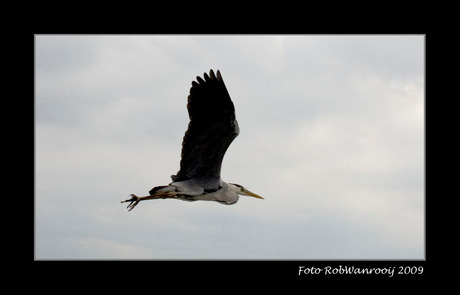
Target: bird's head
{"points": [[240, 190]]}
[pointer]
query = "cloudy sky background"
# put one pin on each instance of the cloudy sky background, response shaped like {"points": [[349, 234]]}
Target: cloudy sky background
{"points": [[332, 135]]}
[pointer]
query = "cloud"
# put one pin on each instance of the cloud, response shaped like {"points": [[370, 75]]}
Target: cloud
{"points": [[332, 135]]}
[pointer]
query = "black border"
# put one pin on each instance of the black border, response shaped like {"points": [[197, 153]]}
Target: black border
{"points": [[272, 272]]}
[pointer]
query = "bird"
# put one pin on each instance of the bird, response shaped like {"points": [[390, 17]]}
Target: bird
{"points": [[211, 130]]}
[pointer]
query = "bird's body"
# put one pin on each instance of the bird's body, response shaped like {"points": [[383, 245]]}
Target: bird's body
{"points": [[212, 128], [188, 190]]}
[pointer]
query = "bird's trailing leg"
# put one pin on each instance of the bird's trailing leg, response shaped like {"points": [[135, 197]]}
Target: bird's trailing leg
{"points": [[134, 201], [159, 192]]}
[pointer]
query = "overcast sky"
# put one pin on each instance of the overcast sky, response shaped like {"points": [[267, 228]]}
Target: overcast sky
{"points": [[332, 136]]}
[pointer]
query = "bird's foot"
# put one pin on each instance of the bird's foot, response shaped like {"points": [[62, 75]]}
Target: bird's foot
{"points": [[134, 201]]}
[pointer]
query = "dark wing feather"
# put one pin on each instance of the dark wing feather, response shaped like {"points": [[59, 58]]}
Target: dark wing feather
{"points": [[211, 130]]}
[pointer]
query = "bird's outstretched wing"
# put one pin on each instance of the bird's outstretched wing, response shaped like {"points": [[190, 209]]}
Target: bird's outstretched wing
{"points": [[211, 130]]}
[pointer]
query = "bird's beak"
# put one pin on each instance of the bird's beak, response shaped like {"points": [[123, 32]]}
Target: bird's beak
{"points": [[248, 193]]}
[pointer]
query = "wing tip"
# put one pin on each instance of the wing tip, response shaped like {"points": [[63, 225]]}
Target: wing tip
{"points": [[208, 77], [213, 76], [217, 76]]}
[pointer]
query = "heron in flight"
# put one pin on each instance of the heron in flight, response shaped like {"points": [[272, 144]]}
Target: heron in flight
{"points": [[211, 130]]}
